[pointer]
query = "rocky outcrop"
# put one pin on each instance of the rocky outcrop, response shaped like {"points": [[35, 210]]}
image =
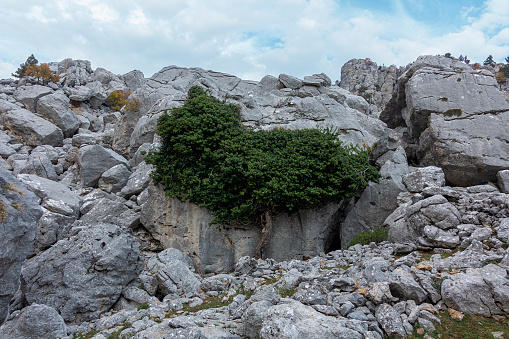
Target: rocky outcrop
{"points": [[185, 226], [374, 83], [35, 321], [32, 129], [378, 200], [115, 255], [309, 103], [83, 276], [19, 212], [448, 107]]}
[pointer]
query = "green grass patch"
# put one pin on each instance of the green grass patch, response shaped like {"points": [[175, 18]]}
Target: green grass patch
{"points": [[86, 335], [142, 307], [470, 327], [377, 235], [453, 112]]}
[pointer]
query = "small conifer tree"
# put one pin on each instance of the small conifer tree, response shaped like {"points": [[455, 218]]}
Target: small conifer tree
{"points": [[20, 72]]}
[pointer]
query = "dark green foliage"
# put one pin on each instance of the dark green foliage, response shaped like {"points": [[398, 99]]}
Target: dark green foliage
{"points": [[489, 61], [448, 55], [20, 72], [377, 235], [208, 157]]}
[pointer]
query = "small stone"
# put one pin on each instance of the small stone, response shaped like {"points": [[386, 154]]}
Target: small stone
{"points": [[456, 315], [424, 267], [497, 335], [420, 331]]}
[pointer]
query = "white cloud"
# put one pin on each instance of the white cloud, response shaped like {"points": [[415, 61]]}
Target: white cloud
{"points": [[137, 17], [37, 13], [249, 39]]}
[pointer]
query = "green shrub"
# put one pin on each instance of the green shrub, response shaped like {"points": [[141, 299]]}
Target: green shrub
{"points": [[208, 157], [20, 72], [142, 307], [377, 235]]}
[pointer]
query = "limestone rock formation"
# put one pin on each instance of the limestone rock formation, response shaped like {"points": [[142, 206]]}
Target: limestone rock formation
{"points": [[35, 321], [83, 276], [19, 212], [375, 83], [112, 253], [448, 108]]}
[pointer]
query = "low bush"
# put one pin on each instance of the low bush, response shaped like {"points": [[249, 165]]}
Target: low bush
{"points": [[377, 235], [208, 157]]}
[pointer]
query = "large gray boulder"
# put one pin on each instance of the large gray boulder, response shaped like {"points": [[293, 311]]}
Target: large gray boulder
{"points": [[39, 164], [35, 321], [114, 179], [32, 129], [55, 107], [94, 160], [428, 221], [174, 272], [292, 319], [54, 196], [448, 107], [19, 212], [185, 226], [83, 276], [390, 320], [29, 95], [138, 180], [478, 291]]}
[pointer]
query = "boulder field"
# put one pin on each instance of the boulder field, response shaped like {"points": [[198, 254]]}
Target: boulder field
{"points": [[89, 244]]}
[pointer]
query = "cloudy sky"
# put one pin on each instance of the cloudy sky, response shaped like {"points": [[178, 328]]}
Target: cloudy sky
{"points": [[249, 38]]}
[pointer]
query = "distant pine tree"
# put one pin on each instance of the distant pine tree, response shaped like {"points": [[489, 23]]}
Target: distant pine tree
{"points": [[489, 61], [20, 72]]}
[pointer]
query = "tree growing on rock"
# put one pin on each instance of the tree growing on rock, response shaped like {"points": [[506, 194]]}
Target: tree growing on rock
{"points": [[20, 72], [41, 72], [489, 61], [245, 177]]}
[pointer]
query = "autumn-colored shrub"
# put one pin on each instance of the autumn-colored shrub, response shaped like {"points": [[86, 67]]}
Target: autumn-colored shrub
{"points": [[119, 99], [41, 72], [500, 77]]}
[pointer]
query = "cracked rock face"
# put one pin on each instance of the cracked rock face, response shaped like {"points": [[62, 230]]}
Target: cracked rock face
{"points": [[457, 116], [83, 276]]}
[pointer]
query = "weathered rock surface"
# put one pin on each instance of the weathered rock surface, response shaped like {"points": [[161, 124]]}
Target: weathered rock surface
{"points": [[55, 107], [32, 129], [447, 107], [186, 227], [94, 160], [173, 271], [29, 95], [478, 291], [19, 212], [83, 276], [35, 321], [376, 83]]}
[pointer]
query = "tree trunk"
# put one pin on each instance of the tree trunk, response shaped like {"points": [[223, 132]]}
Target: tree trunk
{"points": [[266, 233]]}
